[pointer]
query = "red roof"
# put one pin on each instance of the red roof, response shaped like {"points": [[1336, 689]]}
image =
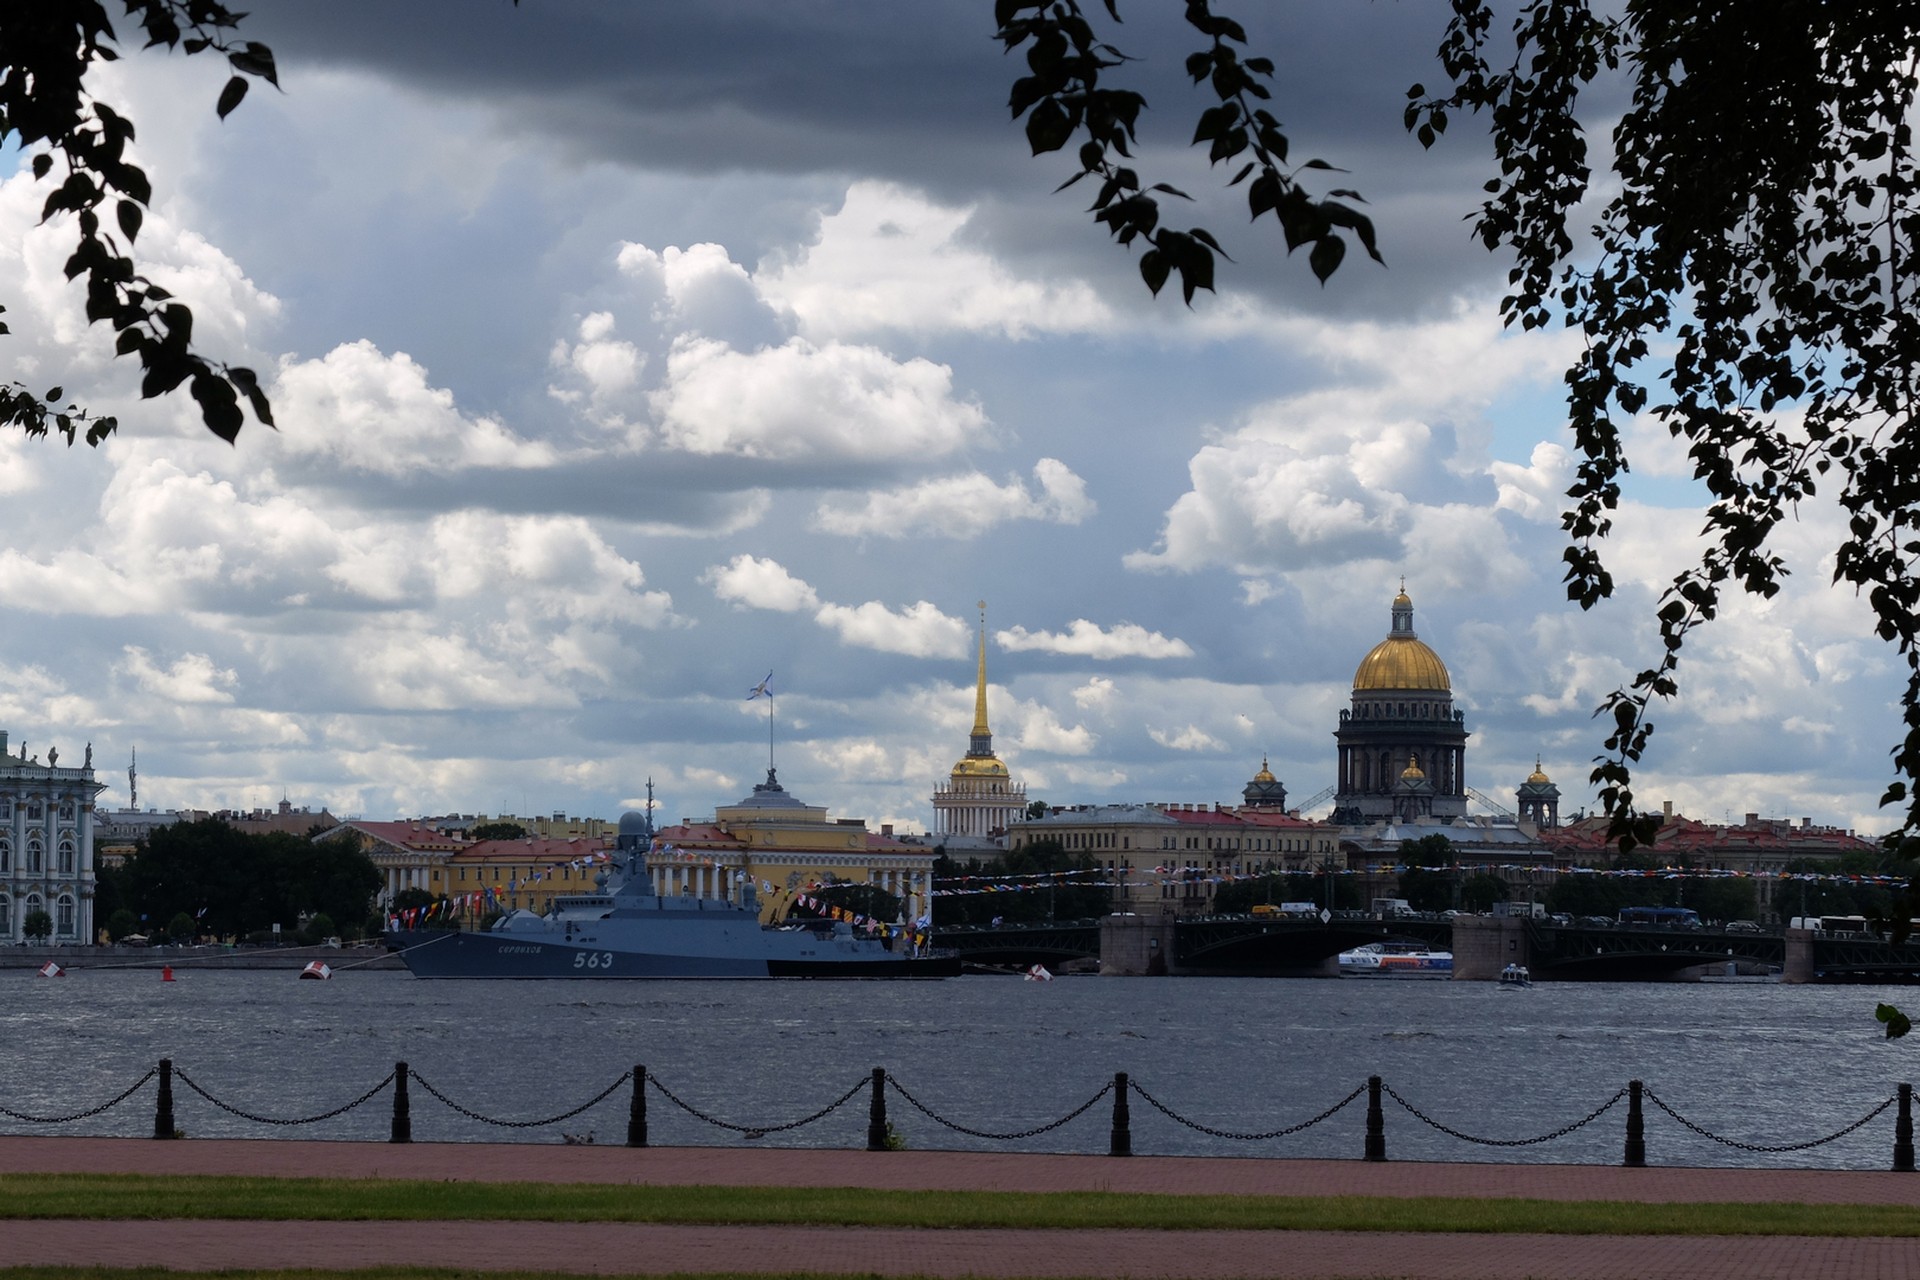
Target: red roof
{"points": [[531, 850], [1680, 835]]}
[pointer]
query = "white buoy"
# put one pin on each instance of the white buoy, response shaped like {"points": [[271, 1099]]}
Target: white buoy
{"points": [[1039, 974], [316, 969], [51, 969]]}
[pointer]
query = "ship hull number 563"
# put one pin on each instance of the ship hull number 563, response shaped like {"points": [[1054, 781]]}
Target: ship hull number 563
{"points": [[593, 959]]}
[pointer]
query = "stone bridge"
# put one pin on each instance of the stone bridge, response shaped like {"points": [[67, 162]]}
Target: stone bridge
{"points": [[1305, 946]]}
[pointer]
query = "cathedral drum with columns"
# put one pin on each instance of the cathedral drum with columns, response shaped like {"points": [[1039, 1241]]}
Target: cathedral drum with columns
{"points": [[1402, 746]]}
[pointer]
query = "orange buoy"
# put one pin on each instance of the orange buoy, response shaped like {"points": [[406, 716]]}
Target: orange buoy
{"points": [[166, 973]]}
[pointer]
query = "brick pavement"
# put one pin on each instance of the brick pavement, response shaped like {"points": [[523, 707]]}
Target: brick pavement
{"points": [[638, 1249]]}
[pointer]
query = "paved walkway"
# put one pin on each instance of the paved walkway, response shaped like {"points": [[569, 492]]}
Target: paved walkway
{"points": [[642, 1249]]}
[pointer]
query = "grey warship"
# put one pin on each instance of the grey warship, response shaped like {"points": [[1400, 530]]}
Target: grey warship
{"points": [[626, 930]]}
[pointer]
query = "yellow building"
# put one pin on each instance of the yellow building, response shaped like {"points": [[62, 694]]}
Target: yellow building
{"points": [[1173, 857], [557, 826], [525, 874], [783, 846]]}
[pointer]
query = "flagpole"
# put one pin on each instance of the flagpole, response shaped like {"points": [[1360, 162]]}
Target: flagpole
{"points": [[769, 733]]}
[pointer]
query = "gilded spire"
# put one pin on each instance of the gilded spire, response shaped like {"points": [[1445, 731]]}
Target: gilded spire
{"points": [[982, 736]]}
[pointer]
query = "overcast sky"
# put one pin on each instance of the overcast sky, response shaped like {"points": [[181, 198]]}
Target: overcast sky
{"points": [[625, 352]]}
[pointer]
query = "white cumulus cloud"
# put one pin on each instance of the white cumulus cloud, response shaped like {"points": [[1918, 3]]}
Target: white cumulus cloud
{"points": [[1191, 738], [756, 583], [1088, 640], [963, 506], [918, 631], [892, 259], [801, 401], [191, 678], [373, 412]]}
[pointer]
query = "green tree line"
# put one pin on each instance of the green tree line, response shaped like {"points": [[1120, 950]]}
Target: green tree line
{"points": [[225, 883]]}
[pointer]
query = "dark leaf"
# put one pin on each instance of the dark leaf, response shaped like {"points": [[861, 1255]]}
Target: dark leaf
{"points": [[255, 59], [219, 407], [1153, 269], [1326, 255], [230, 96], [1897, 1023]]}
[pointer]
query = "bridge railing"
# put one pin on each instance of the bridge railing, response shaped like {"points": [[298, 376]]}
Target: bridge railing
{"points": [[1118, 1092]]}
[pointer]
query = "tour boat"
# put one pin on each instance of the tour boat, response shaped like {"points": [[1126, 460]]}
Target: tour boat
{"points": [[1395, 959]]}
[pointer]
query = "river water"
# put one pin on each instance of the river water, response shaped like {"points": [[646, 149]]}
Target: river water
{"points": [[1761, 1064]]}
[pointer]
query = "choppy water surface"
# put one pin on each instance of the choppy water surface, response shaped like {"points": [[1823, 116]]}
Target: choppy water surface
{"points": [[1763, 1064]]}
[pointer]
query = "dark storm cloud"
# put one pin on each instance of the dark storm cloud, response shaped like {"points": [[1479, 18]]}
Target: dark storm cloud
{"points": [[669, 489], [917, 94]]}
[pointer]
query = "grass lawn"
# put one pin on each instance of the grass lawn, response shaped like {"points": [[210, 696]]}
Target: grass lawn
{"points": [[141, 1196]]}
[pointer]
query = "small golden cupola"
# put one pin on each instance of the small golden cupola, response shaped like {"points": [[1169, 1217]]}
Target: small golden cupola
{"points": [[1538, 798], [1265, 791]]}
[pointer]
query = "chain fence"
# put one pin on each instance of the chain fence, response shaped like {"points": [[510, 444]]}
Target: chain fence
{"points": [[471, 1114], [232, 1110], [90, 1112], [880, 1134], [1561, 1132], [1211, 1132], [1034, 1132], [1763, 1148], [755, 1130]]}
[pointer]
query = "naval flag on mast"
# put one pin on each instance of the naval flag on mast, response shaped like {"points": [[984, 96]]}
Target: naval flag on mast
{"points": [[762, 690]]}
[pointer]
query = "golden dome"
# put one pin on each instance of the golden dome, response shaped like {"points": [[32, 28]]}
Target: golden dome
{"points": [[1265, 774], [1538, 777], [1401, 661], [979, 767], [1412, 773]]}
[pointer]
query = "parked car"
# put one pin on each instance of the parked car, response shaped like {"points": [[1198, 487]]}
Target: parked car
{"points": [[1742, 926]]}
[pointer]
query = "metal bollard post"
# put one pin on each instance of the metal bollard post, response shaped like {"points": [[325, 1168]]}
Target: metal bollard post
{"points": [[637, 1113], [1903, 1132], [1376, 1122], [402, 1114], [877, 1112], [1636, 1154], [1121, 1143], [163, 1106]]}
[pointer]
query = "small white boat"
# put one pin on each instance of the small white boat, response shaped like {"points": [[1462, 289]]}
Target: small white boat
{"points": [[1039, 974], [316, 969], [1515, 975]]}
